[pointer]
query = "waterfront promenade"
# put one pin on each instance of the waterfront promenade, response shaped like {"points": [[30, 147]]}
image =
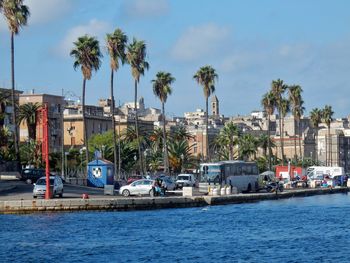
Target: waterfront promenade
{"points": [[26, 204]]}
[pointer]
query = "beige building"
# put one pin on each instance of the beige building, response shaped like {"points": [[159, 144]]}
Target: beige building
{"points": [[55, 105], [6, 107]]}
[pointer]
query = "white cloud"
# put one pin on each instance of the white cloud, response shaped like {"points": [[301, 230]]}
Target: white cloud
{"points": [[43, 11], [94, 28], [144, 8], [201, 41]]}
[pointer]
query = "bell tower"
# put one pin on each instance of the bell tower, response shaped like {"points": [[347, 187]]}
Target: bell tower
{"points": [[214, 105]]}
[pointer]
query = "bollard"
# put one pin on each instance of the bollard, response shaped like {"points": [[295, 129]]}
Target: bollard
{"points": [[228, 190], [223, 191]]}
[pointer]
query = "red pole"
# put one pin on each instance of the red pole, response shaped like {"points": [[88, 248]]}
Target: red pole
{"points": [[46, 150]]}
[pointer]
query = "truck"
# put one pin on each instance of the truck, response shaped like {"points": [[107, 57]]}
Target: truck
{"points": [[331, 171], [290, 173]]}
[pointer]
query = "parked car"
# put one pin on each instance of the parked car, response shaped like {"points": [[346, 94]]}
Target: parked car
{"points": [[134, 178], [56, 186], [139, 187], [31, 175], [185, 180]]}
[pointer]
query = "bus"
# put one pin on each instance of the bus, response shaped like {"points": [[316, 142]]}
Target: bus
{"points": [[242, 175]]}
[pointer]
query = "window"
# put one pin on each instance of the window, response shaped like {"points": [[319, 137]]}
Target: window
{"points": [[233, 169], [239, 170]]}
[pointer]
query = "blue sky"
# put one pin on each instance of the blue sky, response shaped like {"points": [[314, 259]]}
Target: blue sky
{"points": [[249, 43]]}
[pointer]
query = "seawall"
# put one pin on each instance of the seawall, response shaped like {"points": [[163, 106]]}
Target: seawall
{"points": [[147, 203]]}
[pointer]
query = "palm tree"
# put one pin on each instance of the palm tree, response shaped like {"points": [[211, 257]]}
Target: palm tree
{"points": [[316, 119], [269, 103], [248, 145], [180, 155], [299, 113], [278, 88], [285, 108], [327, 115], [116, 45], [206, 77], [264, 142], [295, 100], [87, 56], [162, 88], [136, 56], [28, 114], [228, 137], [16, 14]]}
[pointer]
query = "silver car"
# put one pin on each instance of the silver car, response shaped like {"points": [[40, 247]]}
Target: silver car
{"points": [[56, 186], [139, 187]]}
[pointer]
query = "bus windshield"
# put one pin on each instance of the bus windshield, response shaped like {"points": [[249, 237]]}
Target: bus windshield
{"points": [[210, 173]]}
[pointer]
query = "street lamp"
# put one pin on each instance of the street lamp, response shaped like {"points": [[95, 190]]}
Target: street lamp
{"points": [[103, 147], [182, 161]]}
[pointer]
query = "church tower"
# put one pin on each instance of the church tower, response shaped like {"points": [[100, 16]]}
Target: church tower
{"points": [[214, 105]]}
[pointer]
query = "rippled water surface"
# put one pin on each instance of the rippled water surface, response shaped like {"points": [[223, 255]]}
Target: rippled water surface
{"points": [[310, 229]]}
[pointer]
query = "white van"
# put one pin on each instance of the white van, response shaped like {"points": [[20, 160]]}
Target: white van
{"points": [[185, 180]]}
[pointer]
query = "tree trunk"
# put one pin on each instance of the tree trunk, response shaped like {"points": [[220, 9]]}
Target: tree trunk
{"points": [[329, 146], [295, 139], [137, 130], [32, 131], [268, 140], [326, 144], [206, 130], [165, 145], [316, 146], [14, 106], [300, 138], [113, 125], [281, 140], [84, 124]]}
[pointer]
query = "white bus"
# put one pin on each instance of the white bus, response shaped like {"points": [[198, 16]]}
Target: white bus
{"points": [[240, 174]]}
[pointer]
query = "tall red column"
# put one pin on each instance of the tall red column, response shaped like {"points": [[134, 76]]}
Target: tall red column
{"points": [[45, 149]]}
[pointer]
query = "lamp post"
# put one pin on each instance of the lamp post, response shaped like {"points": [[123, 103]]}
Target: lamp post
{"points": [[103, 147], [182, 161]]}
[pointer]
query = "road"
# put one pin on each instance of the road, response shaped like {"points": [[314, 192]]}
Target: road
{"points": [[17, 190]]}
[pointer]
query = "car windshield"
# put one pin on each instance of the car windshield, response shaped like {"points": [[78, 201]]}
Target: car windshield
{"points": [[42, 181], [183, 177]]}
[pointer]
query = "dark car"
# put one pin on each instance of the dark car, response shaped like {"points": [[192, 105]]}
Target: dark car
{"points": [[134, 178], [31, 175]]}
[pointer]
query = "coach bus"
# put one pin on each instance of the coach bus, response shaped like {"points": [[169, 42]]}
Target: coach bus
{"points": [[239, 174]]}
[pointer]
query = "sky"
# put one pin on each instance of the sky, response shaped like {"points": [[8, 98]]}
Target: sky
{"points": [[248, 42]]}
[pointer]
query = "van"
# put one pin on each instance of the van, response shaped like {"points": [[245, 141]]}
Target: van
{"points": [[185, 180]]}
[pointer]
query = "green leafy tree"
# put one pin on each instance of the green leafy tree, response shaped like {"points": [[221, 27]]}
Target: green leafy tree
{"points": [[180, 156], [228, 138], [247, 147], [136, 56], [162, 89], [269, 103], [28, 113], [206, 77], [16, 15], [316, 119], [87, 56], [116, 45]]}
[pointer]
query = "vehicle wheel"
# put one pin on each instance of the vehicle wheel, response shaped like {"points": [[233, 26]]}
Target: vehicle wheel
{"points": [[29, 181], [61, 194], [34, 196], [249, 189], [126, 193]]}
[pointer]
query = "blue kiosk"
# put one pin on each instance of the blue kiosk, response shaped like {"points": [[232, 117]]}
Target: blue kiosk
{"points": [[100, 173]]}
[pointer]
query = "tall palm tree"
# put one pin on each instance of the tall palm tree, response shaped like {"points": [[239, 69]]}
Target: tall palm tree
{"points": [[327, 115], [295, 100], [206, 77], [87, 56], [116, 45], [269, 103], [316, 119], [285, 109], [162, 88], [136, 56], [16, 14], [28, 114], [278, 88], [299, 113]]}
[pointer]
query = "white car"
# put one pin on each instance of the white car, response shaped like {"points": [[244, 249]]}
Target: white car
{"points": [[56, 186], [139, 187]]}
